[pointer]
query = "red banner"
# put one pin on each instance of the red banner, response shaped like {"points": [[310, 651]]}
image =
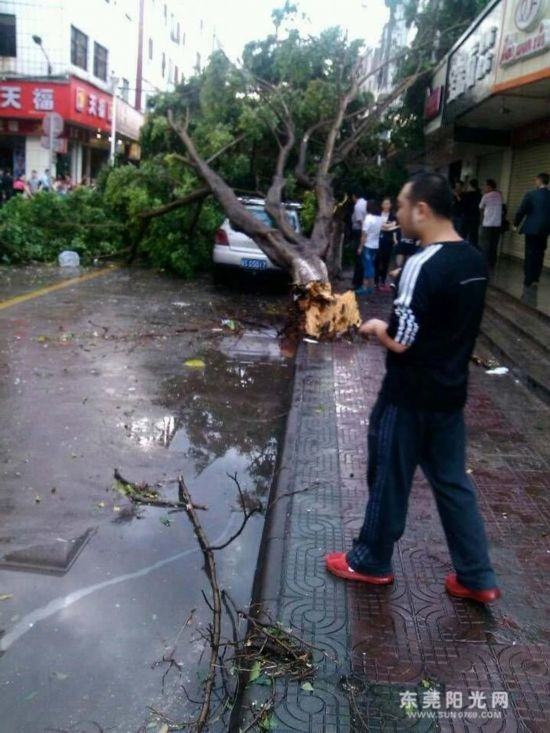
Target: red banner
{"points": [[76, 101]]}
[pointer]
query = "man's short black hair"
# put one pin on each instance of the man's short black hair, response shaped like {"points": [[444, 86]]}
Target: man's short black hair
{"points": [[544, 178], [434, 190], [491, 183], [372, 207], [474, 183]]}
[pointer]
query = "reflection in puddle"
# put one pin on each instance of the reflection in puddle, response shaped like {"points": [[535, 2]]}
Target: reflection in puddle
{"points": [[147, 432]]}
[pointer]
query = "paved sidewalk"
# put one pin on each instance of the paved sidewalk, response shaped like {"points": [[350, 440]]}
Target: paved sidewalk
{"points": [[411, 638]]}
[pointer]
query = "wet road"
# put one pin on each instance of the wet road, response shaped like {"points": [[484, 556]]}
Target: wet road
{"points": [[94, 377]]}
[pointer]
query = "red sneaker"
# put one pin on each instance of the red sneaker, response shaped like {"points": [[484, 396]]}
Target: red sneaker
{"points": [[337, 564], [456, 589]]}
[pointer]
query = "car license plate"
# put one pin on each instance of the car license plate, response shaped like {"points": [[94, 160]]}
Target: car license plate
{"points": [[254, 264]]}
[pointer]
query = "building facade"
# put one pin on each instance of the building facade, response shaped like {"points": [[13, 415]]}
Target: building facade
{"points": [[487, 113], [392, 39], [70, 57]]}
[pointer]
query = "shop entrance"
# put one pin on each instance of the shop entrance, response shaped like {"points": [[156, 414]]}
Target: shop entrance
{"points": [[12, 154]]}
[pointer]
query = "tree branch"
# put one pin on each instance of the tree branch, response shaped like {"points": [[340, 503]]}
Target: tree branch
{"points": [[345, 148], [198, 195], [269, 240], [210, 569]]}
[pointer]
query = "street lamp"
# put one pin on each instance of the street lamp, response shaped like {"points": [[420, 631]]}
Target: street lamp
{"points": [[114, 85], [38, 41]]}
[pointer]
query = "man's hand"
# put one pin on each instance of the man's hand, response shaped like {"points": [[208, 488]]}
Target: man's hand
{"points": [[373, 327], [379, 328]]}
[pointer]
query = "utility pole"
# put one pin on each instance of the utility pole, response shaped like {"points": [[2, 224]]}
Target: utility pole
{"points": [[114, 86], [139, 70]]}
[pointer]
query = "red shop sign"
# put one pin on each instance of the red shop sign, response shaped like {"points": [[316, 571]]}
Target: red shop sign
{"points": [[432, 106], [75, 100]]}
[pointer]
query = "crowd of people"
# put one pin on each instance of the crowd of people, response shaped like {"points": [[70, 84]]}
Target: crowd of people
{"points": [[376, 237], [28, 186], [479, 217]]}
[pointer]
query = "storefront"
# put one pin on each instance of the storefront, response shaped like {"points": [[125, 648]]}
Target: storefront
{"points": [[494, 90], [83, 146]]}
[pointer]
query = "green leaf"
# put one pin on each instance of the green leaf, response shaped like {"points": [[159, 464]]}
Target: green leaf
{"points": [[195, 363], [255, 672], [263, 680], [307, 687], [165, 521], [269, 723]]}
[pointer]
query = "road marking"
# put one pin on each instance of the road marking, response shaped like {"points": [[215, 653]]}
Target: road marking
{"points": [[58, 286]]}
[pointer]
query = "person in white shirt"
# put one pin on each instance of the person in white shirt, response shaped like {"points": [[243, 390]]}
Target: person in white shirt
{"points": [[359, 212], [491, 206], [357, 217], [45, 182], [368, 249], [34, 182]]}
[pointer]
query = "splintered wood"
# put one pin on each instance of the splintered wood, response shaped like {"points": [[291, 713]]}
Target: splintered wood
{"points": [[324, 315]]}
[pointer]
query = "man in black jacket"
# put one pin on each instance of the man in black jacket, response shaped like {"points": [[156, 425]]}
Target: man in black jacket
{"points": [[535, 214], [418, 417]]}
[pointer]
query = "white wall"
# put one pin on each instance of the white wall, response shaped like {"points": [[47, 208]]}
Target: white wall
{"points": [[36, 157], [115, 25], [112, 24], [195, 44], [42, 18]]}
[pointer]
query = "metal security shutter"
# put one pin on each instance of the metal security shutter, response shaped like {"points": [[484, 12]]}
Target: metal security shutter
{"points": [[526, 163]]}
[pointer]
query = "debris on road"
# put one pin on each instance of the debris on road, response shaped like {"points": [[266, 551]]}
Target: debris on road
{"points": [[68, 259], [498, 370], [195, 363]]}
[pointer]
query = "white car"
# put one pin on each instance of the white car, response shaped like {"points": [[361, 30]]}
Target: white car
{"points": [[235, 251]]}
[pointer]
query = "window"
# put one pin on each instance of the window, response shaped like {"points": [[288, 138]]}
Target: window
{"points": [[100, 62], [79, 48], [175, 29], [7, 35], [150, 49], [163, 64], [125, 90]]}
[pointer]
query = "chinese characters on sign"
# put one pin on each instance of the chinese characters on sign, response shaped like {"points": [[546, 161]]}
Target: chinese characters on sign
{"points": [[470, 66], [74, 99], [10, 96], [516, 49], [94, 105], [43, 99]]}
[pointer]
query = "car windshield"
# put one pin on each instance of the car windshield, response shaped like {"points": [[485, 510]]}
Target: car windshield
{"points": [[262, 215]]}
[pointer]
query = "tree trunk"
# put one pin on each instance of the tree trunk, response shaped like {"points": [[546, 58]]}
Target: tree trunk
{"points": [[315, 311]]}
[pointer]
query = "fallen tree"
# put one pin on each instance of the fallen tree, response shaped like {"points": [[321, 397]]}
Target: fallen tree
{"points": [[294, 115]]}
